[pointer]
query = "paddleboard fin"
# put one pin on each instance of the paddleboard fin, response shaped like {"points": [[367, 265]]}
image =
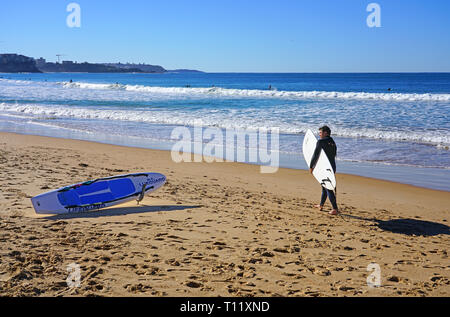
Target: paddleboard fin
{"points": [[142, 194]]}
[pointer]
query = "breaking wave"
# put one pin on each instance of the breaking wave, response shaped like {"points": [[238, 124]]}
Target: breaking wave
{"points": [[255, 93], [215, 119]]}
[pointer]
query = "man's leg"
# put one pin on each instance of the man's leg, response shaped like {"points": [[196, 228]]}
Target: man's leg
{"points": [[323, 198], [332, 197]]}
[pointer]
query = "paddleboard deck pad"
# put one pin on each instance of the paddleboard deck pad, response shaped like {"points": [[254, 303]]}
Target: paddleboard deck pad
{"points": [[323, 172], [97, 194]]}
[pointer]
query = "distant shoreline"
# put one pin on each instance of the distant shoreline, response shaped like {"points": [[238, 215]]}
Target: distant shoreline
{"points": [[15, 63], [215, 72]]}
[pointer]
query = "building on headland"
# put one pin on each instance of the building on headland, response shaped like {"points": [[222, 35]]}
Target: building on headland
{"points": [[40, 62]]}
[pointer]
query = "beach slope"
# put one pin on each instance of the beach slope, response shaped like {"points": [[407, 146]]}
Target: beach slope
{"points": [[214, 229]]}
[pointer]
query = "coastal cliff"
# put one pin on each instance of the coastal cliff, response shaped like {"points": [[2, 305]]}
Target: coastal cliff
{"points": [[145, 68], [72, 67], [14, 63]]}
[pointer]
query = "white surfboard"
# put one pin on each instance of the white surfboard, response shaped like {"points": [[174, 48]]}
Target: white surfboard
{"points": [[98, 194], [323, 171]]}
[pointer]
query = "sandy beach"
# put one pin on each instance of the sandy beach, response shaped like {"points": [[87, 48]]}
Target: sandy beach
{"points": [[214, 229]]}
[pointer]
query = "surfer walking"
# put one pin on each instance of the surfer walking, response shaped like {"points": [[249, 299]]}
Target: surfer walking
{"points": [[326, 143]]}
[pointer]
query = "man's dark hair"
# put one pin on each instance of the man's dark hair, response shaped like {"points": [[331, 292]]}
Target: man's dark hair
{"points": [[325, 128]]}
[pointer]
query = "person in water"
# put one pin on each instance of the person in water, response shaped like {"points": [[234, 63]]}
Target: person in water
{"points": [[328, 145]]}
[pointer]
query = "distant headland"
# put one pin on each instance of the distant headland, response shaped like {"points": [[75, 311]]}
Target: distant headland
{"points": [[14, 63]]}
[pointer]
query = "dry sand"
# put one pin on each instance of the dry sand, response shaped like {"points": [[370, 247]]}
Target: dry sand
{"points": [[215, 229]]}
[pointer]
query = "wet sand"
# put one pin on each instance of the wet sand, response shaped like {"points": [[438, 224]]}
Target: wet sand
{"points": [[215, 229]]}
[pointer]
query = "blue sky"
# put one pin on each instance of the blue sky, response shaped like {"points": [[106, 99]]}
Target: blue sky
{"points": [[236, 35]]}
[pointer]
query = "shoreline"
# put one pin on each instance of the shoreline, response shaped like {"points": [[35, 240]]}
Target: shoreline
{"points": [[247, 163], [214, 229], [433, 178]]}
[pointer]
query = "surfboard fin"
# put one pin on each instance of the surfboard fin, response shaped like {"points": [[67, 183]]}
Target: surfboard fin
{"points": [[142, 194]]}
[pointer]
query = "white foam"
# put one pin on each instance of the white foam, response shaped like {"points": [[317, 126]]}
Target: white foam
{"points": [[443, 147], [38, 90], [243, 121], [255, 93], [16, 116]]}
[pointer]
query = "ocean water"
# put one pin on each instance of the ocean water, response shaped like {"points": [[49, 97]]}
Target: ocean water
{"points": [[388, 126]]}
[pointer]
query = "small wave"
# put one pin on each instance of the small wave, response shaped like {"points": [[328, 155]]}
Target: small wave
{"points": [[385, 162], [443, 146], [241, 93], [171, 117], [255, 93]]}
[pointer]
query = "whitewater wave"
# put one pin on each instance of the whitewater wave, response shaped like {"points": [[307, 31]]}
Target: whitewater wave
{"points": [[219, 120], [253, 93], [39, 89]]}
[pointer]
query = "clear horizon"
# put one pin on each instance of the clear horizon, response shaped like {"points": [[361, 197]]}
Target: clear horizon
{"points": [[236, 36]]}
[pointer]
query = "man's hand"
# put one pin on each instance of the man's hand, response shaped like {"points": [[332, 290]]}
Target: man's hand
{"points": [[311, 170]]}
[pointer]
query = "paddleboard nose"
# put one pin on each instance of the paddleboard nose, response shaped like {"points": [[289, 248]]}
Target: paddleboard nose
{"points": [[156, 180]]}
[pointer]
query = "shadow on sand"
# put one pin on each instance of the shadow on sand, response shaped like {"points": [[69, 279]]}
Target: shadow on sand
{"points": [[119, 211], [408, 226]]}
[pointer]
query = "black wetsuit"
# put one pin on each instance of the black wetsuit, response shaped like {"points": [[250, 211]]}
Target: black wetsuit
{"points": [[330, 149]]}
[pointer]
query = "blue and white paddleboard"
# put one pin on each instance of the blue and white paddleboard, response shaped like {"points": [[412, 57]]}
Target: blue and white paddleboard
{"points": [[97, 194]]}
